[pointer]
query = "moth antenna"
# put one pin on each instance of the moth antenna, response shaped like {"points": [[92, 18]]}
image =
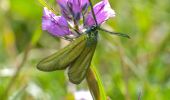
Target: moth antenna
{"points": [[115, 33], [91, 6]]}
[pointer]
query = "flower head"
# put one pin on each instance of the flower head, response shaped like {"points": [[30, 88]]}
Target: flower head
{"points": [[72, 12]]}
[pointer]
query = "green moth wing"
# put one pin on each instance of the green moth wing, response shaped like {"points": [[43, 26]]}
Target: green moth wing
{"points": [[78, 69], [61, 59]]}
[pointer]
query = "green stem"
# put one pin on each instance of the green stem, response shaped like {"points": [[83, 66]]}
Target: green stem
{"points": [[4, 96], [32, 43], [95, 84]]}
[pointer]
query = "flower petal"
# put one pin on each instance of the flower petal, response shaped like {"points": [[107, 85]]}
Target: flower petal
{"points": [[84, 4], [79, 5], [62, 2], [64, 9], [102, 11], [73, 8], [55, 25]]}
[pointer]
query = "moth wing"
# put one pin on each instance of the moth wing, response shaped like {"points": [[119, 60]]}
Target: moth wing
{"points": [[78, 69], [61, 59]]}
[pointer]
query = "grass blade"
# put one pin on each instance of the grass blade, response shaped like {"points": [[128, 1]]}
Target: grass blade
{"points": [[95, 84], [44, 4]]}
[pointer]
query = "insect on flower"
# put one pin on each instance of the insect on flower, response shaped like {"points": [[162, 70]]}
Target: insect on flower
{"points": [[78, 54]]}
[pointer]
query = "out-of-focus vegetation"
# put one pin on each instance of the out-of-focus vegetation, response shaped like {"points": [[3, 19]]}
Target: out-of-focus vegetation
{"points": [[129, 68]]}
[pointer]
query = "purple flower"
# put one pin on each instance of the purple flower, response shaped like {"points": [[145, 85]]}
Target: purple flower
{"points": [[72, 12], [103, 12], [72, 9], [56, 25]]}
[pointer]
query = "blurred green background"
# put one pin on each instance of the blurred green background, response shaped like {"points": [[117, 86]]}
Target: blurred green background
{"points": [[129, 68]]}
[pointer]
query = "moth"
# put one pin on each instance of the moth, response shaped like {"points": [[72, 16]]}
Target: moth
{"points": [[76, 56]]}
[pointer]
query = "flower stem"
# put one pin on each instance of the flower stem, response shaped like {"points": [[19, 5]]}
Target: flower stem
{"points": [[19, 68], [95, 84], [13, 79]]}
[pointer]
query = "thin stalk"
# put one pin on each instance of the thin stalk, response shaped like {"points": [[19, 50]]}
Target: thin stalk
{"points": [[125, 70], [95, 84], [32, 43], [45, 4], [13, 79]]}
